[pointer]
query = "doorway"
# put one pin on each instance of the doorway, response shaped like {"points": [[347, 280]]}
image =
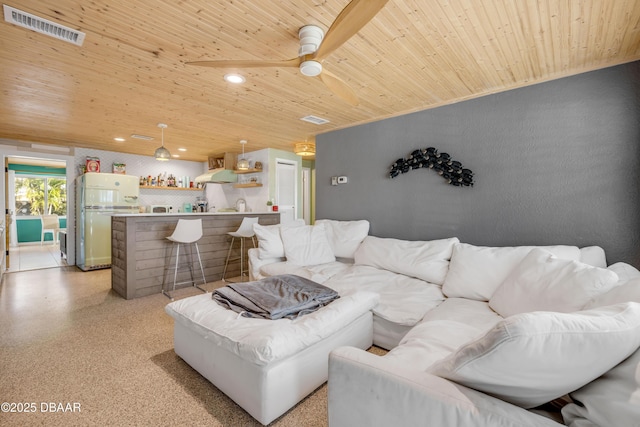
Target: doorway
{"points": [[35, 187], [287, 189]]}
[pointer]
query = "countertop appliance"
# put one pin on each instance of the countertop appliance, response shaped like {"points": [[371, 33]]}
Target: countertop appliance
{"points": [[98, 197], [159, 209]]}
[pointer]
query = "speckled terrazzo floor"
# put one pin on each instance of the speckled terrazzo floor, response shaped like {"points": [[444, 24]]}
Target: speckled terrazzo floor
{"points": [[67, 342]]}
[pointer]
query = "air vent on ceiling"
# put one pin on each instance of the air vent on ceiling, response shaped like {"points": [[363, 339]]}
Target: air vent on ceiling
{"points": [[145, 137], [315, 120], [42, 26]]}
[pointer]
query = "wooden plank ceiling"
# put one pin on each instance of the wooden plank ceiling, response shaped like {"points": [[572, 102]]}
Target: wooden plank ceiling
{"points": [[130, 73]]}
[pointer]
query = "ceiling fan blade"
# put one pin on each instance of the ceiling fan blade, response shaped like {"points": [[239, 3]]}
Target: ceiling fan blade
{"points": [[339, 87], [352, 18], [247, 63]]}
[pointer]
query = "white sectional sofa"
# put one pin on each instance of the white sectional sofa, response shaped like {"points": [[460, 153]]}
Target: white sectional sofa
{"points": [[478, 336]]}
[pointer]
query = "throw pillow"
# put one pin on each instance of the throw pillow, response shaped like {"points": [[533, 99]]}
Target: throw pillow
{"points": [[306, 245], [626, 290], [542, 282], [269, 240], [532, 358], [624, 271], [345, 236], [475, 272], [426, 260]]}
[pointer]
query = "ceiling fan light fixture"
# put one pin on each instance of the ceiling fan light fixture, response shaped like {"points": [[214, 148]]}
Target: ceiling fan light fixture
{"points": [[305, 148], [310, 38], [311, 68], [234, 78], [162, 153], [243, 164]]}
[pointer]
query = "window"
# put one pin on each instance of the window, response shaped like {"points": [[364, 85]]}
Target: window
{"points": [[37, 195]]}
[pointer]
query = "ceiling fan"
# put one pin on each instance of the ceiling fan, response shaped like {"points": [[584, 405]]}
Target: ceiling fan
{"points": [[315, 46]]}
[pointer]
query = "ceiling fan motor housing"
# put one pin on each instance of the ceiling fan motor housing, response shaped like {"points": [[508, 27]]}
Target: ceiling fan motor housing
{"points": [[310, 38], [310, 68]]}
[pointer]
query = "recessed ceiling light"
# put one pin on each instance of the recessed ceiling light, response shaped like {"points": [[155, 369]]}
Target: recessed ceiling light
{"points": [[119, 139], [182, 149], [234, 78], [175, 155]]}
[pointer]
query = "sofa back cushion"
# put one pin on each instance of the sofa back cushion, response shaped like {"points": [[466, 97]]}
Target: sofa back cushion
{"points": [[269, 240], [345, 236], [542, 282], [593, 255], [306, 245], [532, 358], [426, 260], [475, 272]]}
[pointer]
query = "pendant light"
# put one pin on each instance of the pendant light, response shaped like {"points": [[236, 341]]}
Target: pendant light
{"points": [[162, 153], [305, 149], [243, 164]]}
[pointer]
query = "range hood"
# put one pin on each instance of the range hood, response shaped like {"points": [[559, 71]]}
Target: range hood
{"points": [[220, 170], [218, 176]]}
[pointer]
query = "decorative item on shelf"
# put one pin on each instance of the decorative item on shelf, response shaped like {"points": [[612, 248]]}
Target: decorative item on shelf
{"points": [[92, 164], [269, 205], [119, 168], [162, 153], [258, 166], [305, 149], [442, 163], [243, 164]]}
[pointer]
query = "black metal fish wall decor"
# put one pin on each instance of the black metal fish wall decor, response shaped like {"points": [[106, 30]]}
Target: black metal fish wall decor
{"points": [[449, 169]]}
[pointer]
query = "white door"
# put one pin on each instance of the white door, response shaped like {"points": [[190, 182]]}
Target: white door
{"points": [[306, 195], [12, 225], [286, 189]]}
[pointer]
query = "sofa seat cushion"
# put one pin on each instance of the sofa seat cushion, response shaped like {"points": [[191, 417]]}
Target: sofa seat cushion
{"points": [[318, 273], [262, 341], [612, 400], [403, 300], [475, 272], [542, 282], [532, 358], [426, 260], [442, 331]]}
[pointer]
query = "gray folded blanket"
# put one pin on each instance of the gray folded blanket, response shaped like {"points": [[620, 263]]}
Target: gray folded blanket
{"points": [[276, 297]]}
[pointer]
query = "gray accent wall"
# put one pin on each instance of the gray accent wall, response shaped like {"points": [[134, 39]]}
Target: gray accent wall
{"points": [[554, 163]]}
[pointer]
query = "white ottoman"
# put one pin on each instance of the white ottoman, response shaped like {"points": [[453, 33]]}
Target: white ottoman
{"points": [[267, 366]]}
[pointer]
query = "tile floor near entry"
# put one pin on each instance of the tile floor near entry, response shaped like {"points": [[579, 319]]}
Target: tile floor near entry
{"points": [[35, 256]]}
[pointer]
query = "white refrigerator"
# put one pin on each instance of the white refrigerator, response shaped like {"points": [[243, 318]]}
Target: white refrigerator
{"points": [[98, 197]]}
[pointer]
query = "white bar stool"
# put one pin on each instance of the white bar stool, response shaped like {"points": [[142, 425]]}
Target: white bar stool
{"points": [[188, 232], [245, 231]]}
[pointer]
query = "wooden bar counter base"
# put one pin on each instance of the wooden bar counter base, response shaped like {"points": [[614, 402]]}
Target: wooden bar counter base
{"points": [[140, 250]]}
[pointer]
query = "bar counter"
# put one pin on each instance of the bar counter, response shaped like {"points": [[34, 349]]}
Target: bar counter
{"points": [[140, 249]]}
